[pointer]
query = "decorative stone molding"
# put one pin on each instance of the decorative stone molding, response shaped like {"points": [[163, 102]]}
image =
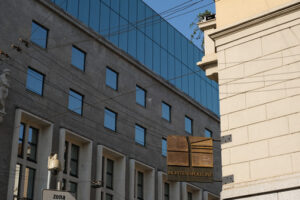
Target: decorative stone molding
{"points": [[4, 85]]}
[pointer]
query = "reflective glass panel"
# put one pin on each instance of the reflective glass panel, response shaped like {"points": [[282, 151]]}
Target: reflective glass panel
{"points": [[32, 144], [140, 96], [95, 15], [140, 135], [35, 81], [164, 64], [149, 53], [156, 58], [39, 35], [104, 20], [83, 15], [110, 119], [78, 58], [188, 125], [75, 102], [111, 79], [114, 28], [29, 183], [166, 111], [164, 147], [72, 7]]}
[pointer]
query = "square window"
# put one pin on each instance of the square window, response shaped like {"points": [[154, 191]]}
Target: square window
{"points": [[110, 119], [140, 96], [75, 102], [166, 111], [39, 35], [111, 78], [188, 125], [78, 58], [35, 81], [207, 133], [140, 135], [164, 147]]}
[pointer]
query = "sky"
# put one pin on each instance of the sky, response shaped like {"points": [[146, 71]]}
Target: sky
{"points": [[182, 23]]}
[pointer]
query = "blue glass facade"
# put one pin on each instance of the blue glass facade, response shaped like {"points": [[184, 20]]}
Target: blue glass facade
{"points": [[138, 30]]}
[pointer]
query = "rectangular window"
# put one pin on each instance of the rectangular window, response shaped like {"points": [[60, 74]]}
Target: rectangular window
{"points": [[73, 188], [39, 35], [188, 125], [140, 135], [109, 197], [78, 58], [167, 191], [190, 196], [21, 140], [111, 78], [32, 144], [66, 152], [75, 102], [35, 81], [18, 175], [140, 186], [140, 96], [166, 111], [110, 119], [74, 160], [164, 147], [207, 133], [109, 173], [29, 183]]}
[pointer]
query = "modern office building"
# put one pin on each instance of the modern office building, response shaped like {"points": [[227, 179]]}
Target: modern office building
{"points": [[96, 102], [256, 63]]}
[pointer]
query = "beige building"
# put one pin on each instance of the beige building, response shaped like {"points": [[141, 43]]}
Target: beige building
{"points": [[252, 50]]}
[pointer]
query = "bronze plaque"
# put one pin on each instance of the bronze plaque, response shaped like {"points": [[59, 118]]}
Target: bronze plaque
{"points": [[190, 158]]}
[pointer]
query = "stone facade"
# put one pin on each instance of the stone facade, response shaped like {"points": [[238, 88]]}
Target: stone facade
{"points": [[258, 74]]}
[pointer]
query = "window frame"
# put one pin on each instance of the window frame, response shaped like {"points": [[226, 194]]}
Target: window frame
{"points": [[117, 78], [43, 81], [145, 96], [116, 117], [82, 102], [47, 34], [170, 108], [185, 127], [84, 58]]}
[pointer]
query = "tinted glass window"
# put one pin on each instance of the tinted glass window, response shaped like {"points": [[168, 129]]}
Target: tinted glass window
{"points": [[166, 111], [140, 96], [111, 79], [110, 118], [140, 186], [78, 58], [164, 147], [32, 144], [207, 133], [109, 173], [188, 125], [39, 35], [29, 183], [75, 102], [35, 81], [74, 160], [140, 135]]}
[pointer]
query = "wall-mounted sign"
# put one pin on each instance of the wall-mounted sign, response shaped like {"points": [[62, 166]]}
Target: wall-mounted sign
{"points": [[57, 195], [190, 158]]}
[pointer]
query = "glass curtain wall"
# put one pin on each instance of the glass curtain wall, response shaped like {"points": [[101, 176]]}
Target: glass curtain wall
{"points": [[138, 30]]}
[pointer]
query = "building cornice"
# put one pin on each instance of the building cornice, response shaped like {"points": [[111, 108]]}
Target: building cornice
{"points": [[271, 14]]}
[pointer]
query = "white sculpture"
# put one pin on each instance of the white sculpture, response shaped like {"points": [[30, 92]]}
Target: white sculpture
{"points": [[4, 85]]}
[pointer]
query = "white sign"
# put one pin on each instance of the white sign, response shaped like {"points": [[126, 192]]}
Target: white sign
{"points": [[57, 195]]}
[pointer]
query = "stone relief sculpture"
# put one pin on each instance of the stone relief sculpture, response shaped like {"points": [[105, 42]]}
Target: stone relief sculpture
{"points": [[4, 85]]}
